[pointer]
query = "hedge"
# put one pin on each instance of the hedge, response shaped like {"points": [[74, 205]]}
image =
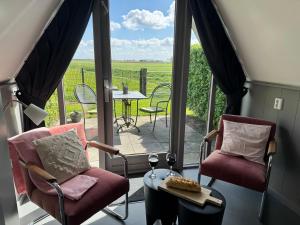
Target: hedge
{"points": [[199, 84]]}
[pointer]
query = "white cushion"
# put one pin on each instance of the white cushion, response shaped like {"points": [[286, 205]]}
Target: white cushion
{"points": [[247, 140], [62, 155]]}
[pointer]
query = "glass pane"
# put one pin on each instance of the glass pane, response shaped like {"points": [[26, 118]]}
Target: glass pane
{"points": [[79, 79], [198, 102], [142, 47]]}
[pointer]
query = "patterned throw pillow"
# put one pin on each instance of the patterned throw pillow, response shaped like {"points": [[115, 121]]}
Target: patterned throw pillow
{"points": [[62, 155], [247, 140]]}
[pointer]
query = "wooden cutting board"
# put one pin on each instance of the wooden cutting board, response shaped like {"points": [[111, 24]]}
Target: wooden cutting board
{"points": [[199, 198]]}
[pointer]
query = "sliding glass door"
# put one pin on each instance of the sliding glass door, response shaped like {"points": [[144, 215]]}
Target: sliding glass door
{"points": [[135, 78]]}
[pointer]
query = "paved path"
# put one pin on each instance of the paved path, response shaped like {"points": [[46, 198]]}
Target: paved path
{"points": [[130, 141]]}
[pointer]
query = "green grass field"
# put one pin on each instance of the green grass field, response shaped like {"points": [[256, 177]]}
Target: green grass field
{"points": [[127, 72]]}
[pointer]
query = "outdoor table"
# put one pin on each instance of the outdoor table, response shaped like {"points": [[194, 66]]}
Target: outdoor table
{"points": [[126, 107]]}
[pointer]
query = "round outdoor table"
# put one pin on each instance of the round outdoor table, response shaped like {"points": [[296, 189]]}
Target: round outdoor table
{"points": [[159, 204], [191, 214]]}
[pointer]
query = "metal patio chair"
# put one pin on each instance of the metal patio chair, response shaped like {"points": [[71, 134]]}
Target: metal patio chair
{"points": [[159, 102], [85, 96]]}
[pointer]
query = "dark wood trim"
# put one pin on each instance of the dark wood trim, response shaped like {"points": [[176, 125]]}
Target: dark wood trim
{"points": [[61, 103], [181, 58]]}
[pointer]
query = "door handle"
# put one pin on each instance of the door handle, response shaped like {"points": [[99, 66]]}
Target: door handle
{"points": [[106, 91]]}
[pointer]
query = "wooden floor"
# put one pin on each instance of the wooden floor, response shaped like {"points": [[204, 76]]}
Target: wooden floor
{"points": [[242, 209]]}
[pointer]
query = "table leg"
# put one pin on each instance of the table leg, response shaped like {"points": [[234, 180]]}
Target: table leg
{"points": [[126, 115], [150, 220], [137, 111]]}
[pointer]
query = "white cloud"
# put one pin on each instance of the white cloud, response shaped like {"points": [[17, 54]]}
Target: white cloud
{"points": [[149, 49], [119, 42], [85, 50], [152, 42], [138, 19], [124, 49], [114, 26]]}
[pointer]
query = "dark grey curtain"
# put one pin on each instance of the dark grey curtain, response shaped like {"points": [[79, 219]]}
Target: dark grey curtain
{"points": [[220, 54], [48, 61]]}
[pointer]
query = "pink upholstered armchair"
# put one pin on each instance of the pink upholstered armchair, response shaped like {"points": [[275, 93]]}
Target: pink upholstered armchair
{"points": [[27, 166], [234, 169]]}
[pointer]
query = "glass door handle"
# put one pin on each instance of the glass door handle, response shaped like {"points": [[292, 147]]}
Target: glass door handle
{"points": [[106, 91]]}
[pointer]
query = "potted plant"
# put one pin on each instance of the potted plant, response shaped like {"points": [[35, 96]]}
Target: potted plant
{"points": [[75, 116]]}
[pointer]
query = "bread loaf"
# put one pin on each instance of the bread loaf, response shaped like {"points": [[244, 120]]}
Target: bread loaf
{"points": [[183, 184]]}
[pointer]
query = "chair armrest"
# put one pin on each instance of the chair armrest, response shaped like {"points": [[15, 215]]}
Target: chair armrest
{"points": [[50, 180], [106, 148], [41, 173], [211, 135], [161, 102], [272, 148], [111, 150]]}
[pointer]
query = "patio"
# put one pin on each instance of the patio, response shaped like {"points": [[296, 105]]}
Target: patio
{"points": [[130, 141]]}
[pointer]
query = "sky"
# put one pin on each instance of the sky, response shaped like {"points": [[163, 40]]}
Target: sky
{"points": [[140, 30]]}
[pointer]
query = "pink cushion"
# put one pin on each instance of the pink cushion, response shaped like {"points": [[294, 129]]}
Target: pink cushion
{"points": [[243, 119], [247, 140], [76, 187], [26, 152], [235, 170], [108, 188], [66, 127]]}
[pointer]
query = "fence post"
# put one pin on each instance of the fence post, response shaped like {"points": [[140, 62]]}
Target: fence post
{"points": [[82, 75], [143, 81]]}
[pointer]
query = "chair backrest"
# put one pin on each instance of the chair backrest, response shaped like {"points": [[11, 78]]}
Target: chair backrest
{"points": [[243, 119], [22, 148], [160, 93], [84, 94]]}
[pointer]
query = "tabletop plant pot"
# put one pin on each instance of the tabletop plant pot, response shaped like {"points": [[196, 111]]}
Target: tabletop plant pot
{"points": [[75, 116]]}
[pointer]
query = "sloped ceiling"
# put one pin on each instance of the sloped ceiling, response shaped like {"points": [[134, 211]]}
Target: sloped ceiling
{"points": [[21, 24], [266, 35]]}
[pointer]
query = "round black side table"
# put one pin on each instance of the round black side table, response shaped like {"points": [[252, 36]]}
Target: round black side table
{"points": [[191, 214], [159, 204]]}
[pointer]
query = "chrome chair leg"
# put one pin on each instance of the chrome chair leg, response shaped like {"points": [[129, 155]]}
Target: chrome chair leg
{"points": [[199, 178], [117, 215], [38, 219], [211, 182], [262, 204]]}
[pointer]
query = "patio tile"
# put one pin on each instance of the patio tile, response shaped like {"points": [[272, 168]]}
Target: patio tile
{"points": [[165, 146], [193, 137], [189, 129], [121, 139], [125, 149], [142, 139], [147, 148], [94, 164], [191, 158], [93, 154], [191, 147]]}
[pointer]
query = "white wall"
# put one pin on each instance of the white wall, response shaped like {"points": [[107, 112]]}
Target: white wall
{"points": [[266, 34], [21, 24]]}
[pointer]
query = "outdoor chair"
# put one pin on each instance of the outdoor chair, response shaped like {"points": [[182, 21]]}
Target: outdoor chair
{"points": [[236, 169], [159, 102], [85, 96], [27, 169]]}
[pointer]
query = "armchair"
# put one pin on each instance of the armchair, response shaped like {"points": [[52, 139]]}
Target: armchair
{"points": [[108, 188], [234, 169]]}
